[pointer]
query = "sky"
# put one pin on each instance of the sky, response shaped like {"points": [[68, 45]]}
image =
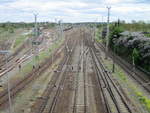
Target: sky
{"points": [[74, 10]]}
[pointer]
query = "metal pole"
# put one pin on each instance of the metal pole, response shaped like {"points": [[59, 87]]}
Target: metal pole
{"points": [[35, 26], [61, 29], [36, 50], [133, 61], [107, 38], [95, 30], [102, 27], [52, 53], [8, 87], [52, 58], [113, 69]]}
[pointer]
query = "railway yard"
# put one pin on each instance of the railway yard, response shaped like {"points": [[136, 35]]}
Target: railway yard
{"points": [[70, 74], [74, 56]]}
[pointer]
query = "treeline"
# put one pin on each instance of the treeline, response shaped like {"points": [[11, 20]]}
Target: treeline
{"points": [[135, 48], [10, 27], [135, 26]]}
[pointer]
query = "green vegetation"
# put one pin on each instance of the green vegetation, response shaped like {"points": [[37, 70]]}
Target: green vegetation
{"points": [[19, 40], [46, 53], [124, 46], [132, 88], [4, 35], [98, 35], [11, 32], [136, 56], [115, 33], [26, 69], [147, 35], [128, 54], [37, 60], [136, 26], [144, 100], [12, 26]]}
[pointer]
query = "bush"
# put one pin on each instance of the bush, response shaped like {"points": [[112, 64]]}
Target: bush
{"points": [[11, 30], [144, 100], [115, 33], [136, 55]]}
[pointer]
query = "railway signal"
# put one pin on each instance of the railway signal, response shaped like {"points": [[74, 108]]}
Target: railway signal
{"points": [[36, 42]]}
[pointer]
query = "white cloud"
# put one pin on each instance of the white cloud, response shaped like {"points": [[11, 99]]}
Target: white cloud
{"points": [[73, 10], [45, 6], [112, 1]]}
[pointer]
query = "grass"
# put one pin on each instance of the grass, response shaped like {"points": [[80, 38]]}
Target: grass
{"points": [[147, 35], [120, 74], [97, 36], [143, 99], [124, 80], [42, 56], [26, 69], [16, 38], [46, 53], [5, 35], [19, 40]]}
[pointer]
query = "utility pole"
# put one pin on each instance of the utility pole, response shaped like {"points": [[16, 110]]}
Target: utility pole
{"points": [[107, 37], [133, 63], [57, 28], [35, 25], [35, 44], [114, 51], [61, 28], [102, 27], [95, 28]]}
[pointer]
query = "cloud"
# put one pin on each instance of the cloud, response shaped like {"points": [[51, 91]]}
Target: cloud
{"points": [[72, 10]]}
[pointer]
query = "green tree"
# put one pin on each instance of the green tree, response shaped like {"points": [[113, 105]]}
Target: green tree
{"points": [[11, 30], [115, 33]]}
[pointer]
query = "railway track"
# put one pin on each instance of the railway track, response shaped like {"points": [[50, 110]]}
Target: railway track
{"points": [[112, 96], [13, 56], [14, 62], [81, 106], [28, 79], [21, 84], [71, 47], [47, 102], [137, 75], [84, 77]]}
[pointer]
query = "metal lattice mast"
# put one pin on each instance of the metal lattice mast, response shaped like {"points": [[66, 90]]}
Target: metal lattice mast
{"points": [[107, 37]]}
